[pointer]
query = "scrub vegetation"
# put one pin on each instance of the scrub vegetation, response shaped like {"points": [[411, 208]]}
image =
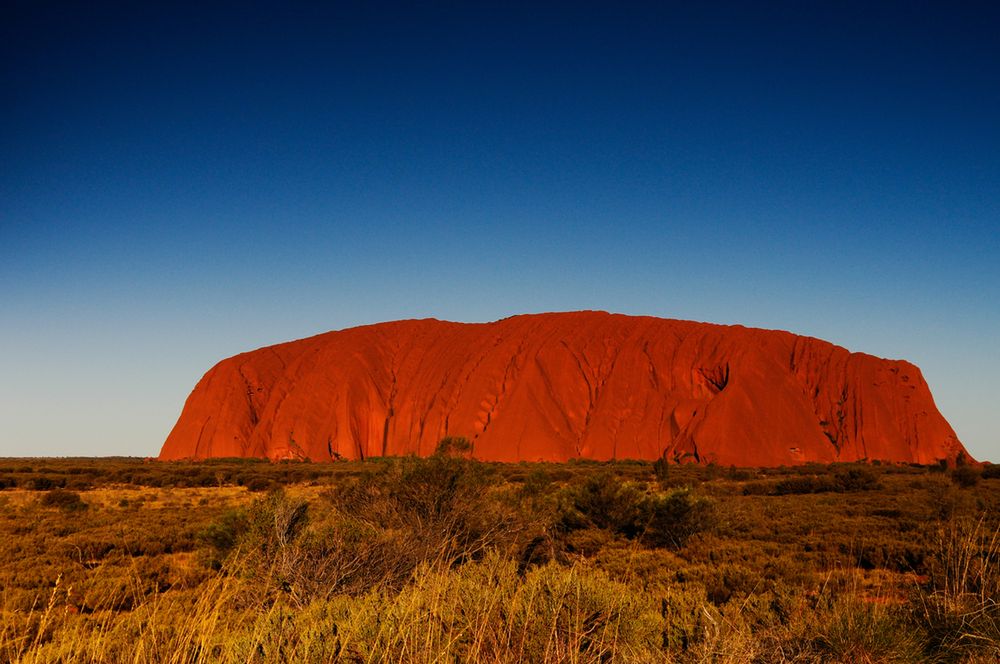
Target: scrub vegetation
{"points": [[450, 560]]}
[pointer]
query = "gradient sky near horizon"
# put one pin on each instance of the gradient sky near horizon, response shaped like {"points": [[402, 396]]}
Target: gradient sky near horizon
{"points": [[180, 184]]}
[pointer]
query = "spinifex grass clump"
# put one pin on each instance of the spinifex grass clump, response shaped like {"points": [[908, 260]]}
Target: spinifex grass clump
{"points": [[961, 610]]}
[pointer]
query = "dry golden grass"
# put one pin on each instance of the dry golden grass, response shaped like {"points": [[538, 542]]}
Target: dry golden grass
{"points": [[417, 562]]}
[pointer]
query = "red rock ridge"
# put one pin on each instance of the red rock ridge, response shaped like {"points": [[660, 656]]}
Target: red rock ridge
{"points": [[561, 386]]}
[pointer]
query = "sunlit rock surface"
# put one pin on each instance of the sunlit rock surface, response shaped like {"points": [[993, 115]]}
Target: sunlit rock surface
{"points": [[561, 386]]}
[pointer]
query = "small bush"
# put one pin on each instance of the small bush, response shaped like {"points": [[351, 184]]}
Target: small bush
{"points": [[64, 499], [454, 446], [258, 484], [673, 518], [603, 502], [44, 483], [858, 478], [536, 483], [758, 489], [966, 476], [661, 470], [276, 519], [441, 509], [660, 520], [805, 484], [740, 474], [223, 535]]}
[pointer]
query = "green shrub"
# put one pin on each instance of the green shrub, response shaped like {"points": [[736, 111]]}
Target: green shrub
{"points": [[223, 535], [672, 518], [805, 484], [660, 520], [44, 483], [258, 484], [661, 470], [536, 483], [602, 501], [412, 511], [965, 476], [64, 499], [857, 478], [453, 446], [740, 474], [276, 519], [758, 488]]}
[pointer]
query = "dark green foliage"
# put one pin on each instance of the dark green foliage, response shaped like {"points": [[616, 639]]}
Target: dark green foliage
{"points": [[440, 504], [805, 484], [267, 544], [259, 484], [275, 521], [660, 520], [223, 534], [63, 499], [453, 445], [601, 501], [841, 480], [537, 482], [661, 470], [966, 476], [740, 474], [44, 483], [670, 519], [855, 478], [940, 467]]}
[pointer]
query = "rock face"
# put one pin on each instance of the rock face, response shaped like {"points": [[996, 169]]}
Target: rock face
{"points": [[561, 386]]}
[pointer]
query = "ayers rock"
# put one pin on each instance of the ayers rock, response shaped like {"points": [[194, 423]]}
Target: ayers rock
{"points": [[562, 386]]}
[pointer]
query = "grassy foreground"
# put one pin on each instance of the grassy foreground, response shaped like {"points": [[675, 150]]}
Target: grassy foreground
{"points": [[448, 560]]}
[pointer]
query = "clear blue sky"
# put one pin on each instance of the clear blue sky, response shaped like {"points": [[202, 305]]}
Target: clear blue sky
{"points": [[179, 184]]}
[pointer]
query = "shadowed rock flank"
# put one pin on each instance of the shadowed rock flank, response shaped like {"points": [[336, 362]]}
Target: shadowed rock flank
{"points": [[561, 386]]}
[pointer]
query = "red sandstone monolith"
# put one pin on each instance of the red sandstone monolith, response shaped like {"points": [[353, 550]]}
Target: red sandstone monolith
{"points": [[562, 386]]}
